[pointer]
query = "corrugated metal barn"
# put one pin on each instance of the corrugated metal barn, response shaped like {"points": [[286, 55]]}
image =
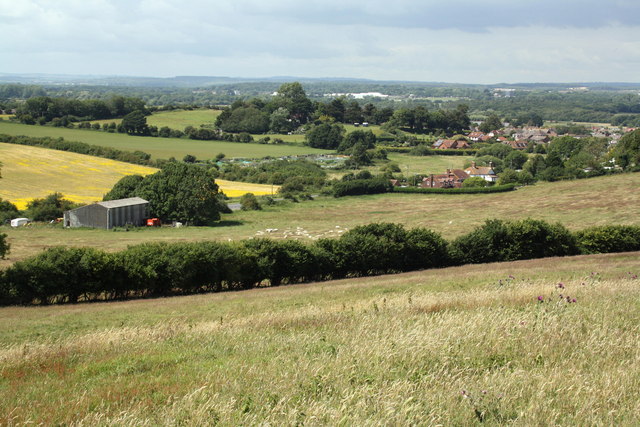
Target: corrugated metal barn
{"points": [[114, 213]]}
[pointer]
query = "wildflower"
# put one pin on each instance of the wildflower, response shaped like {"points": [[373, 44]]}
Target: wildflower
{"points": [[540, 298], [560, 285], [574, 300]]}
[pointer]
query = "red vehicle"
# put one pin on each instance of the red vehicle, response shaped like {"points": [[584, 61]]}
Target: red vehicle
{"points": [[154, 222]]}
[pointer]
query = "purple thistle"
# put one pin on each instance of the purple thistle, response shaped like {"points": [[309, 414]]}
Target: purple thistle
{"points": [[574, 300], [560, 285], [540, 298]]}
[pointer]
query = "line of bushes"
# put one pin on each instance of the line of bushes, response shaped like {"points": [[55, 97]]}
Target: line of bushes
{"points": [[356, 187], [468, 190], [425, 151], [62, 274], [136, 157]]}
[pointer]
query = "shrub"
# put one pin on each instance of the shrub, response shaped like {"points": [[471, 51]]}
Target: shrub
{"points": [[609, 238], [249, 202], [499, 240], [4, 245]]}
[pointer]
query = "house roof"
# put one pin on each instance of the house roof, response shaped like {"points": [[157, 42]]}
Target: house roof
{"points": [[123, 202]]}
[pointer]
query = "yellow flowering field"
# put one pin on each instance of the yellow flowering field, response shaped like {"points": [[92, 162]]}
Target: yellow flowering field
{"points": [[237, 189], [33, 172]]}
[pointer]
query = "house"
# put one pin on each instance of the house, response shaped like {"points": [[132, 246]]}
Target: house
{"points": [[450, 144], [517, 145], [113, 213], [475, 136], [452, 179], [485, 172]]}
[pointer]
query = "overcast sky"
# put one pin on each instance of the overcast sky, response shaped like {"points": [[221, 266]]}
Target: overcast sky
{"points": [[464, 41]]}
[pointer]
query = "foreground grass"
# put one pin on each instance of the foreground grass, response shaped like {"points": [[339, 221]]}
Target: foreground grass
{"points": [[159, 148], [392, 350], [576, 204]]}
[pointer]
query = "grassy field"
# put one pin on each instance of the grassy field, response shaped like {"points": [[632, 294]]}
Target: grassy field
{"points": [[32, 172], [177, 119], [159, 148], [576, 204], [410, 165], [461, 346]]}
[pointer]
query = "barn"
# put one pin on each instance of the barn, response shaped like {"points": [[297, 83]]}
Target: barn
{"points": [[113, 213]]}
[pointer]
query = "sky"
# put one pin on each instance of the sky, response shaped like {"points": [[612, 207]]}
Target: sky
{"points": [[454, 41]]}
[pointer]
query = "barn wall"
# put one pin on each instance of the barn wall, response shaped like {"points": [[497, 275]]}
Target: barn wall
{"points": [[87, 216], [132, 214]]}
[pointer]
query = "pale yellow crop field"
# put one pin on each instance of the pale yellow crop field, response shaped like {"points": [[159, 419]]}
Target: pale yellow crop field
{"points": [[32, 172], [237, 189]]}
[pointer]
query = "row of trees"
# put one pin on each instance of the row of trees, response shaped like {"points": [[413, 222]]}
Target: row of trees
{"points": [[160, 269], [44, 109]]}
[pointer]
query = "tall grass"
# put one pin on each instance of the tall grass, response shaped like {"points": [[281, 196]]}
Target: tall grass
{"points": [[461, 346]]}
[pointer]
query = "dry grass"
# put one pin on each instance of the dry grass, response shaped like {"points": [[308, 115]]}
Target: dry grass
{"points": [[391, 350]]}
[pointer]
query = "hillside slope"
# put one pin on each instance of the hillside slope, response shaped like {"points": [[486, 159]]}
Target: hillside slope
{"points": [[455, 346]]}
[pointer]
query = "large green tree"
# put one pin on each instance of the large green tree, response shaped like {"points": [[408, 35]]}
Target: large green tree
{"points": [[627, 151], [135, 123], [325, 136], [178, 192]]}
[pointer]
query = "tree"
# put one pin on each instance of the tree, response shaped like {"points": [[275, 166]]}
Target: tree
{"points": [[279, 121], [4, 245], [325, 136], [492, 122], [124, 188], [293, 97], [48, 208], [179, 191], [474, 182], [249, 202], [135, 123], [367, 138], [515, 159], [189, 158], [627, 151]]}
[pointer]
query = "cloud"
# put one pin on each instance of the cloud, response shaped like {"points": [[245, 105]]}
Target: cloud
{"points": [[460, 40]]}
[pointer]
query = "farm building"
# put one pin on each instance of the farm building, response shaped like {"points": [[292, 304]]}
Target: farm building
{"points": [[113, 213]]}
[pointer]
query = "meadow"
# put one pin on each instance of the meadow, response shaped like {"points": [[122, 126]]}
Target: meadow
{"points": [[33, 172], [159, 148], [468, 345], [176, 119], [576, 204]]}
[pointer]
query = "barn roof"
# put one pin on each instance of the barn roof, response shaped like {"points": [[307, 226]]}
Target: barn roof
{"points": [[123, 202]]}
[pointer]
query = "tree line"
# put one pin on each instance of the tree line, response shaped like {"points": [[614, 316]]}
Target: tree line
{"points": [[61, 274]]}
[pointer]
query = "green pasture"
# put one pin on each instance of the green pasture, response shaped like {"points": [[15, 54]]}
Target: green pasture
{"points": [[576, 204], [159, 148], [177, 119], [468, 346]]}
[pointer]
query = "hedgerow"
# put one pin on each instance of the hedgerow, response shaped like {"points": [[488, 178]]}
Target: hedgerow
{"points": [[69, 275]]}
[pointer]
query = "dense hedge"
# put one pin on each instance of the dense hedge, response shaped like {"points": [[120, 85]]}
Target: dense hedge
{"points": [[63, 274], [432, 151], [468, 190], [609, 238], [499, 240], [136, 157], [356, 187]]}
